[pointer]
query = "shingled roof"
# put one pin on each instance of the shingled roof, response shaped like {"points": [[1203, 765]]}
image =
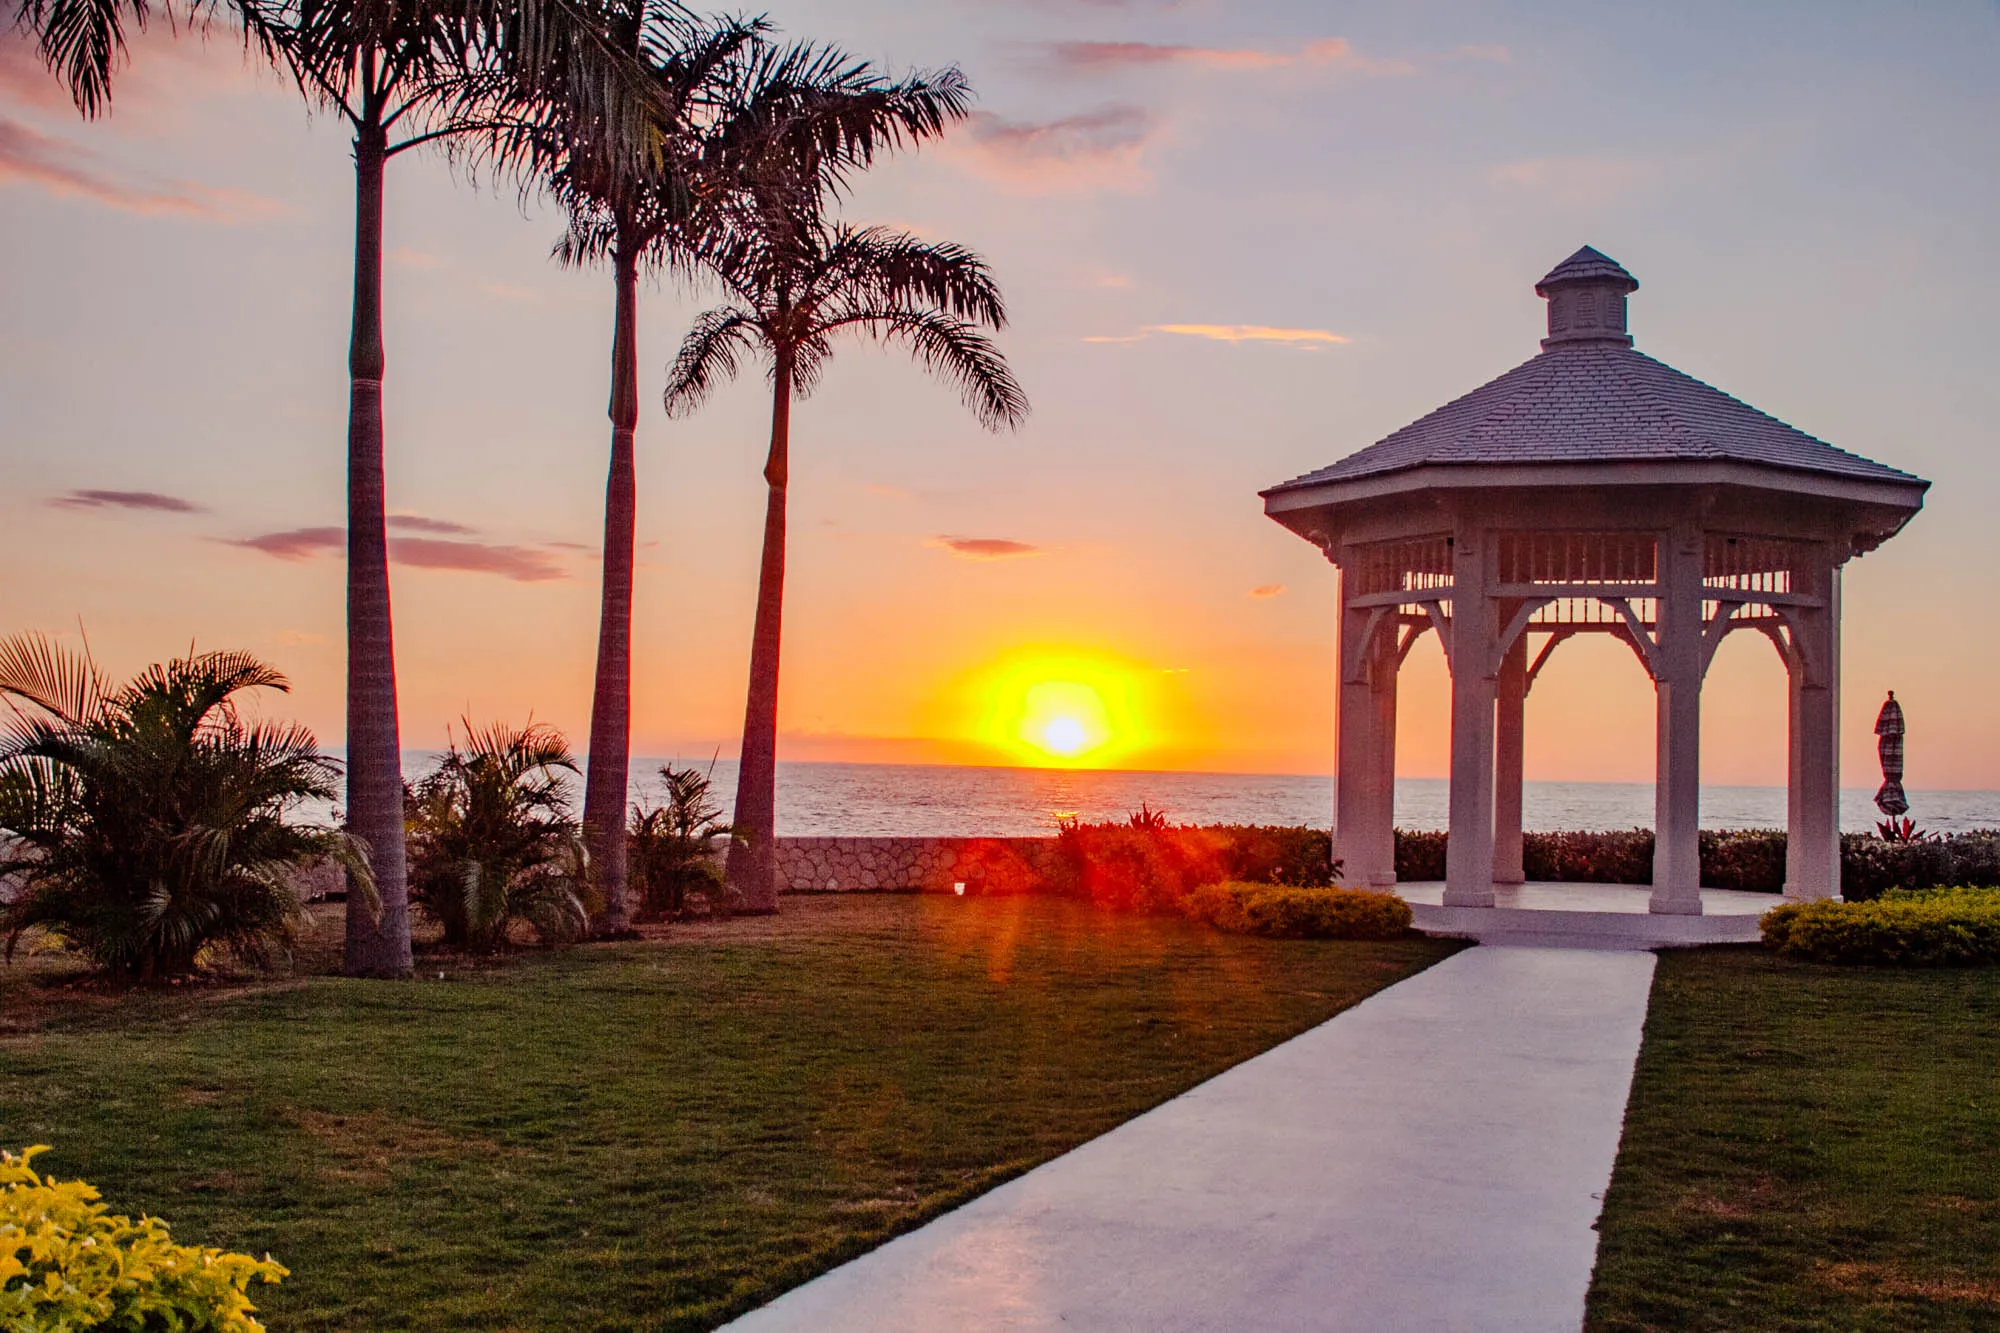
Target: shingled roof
{"points": [[1592, 399]]}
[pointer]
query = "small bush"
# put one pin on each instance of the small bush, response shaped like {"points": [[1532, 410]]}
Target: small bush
{"points": [[1419, 855], [1278, 854], [1285, 912], [67, 1263], [1936, 928], [1135, 868], [667, 847]]}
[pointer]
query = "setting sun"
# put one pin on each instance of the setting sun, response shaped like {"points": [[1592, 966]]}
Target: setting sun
{"points": [[1064, 718]]}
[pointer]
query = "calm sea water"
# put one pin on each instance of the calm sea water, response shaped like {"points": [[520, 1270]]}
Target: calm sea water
{"points": [[876, 799]]}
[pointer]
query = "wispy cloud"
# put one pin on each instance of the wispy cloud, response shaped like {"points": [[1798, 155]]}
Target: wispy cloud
{"points": [[68, 170], [986, 548], [1267, 590], [147, 500], [522, 564], [1303, 339], [436, 526], [1335, 53], [889, 492], [405, 257], [1096, 150], [294, 543]]}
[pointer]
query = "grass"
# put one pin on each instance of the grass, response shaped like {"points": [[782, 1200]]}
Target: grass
{"points": [[654, 1135], [1808, 1147]]}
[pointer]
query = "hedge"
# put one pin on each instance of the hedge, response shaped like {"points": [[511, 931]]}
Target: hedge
{"points": [[1289, 913], [1750, 859], [1939, 928]]}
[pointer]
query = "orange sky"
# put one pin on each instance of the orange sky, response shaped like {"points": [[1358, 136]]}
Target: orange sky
{"points": [[1237, 245]]}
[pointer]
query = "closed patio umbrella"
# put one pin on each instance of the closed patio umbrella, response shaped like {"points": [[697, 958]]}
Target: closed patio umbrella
{"points": [[1889, 745]]}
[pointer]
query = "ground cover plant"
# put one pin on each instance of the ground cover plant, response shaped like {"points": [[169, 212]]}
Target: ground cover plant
{"points": [[1286, 912], [1912, 928], [1807, 1147], [68, 1262], [654, 1134]]}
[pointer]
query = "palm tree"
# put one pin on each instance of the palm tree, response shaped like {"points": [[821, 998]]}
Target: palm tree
{"points": [[729, 106], [798, 281], [493, 839], [148, 823], [394, 70]]}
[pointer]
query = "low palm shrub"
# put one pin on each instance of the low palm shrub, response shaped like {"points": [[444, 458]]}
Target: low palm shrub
{"points": [[494, 840], [1930, 928], [667, 846], [1281, 911], [148, 823], [67, 1262]]}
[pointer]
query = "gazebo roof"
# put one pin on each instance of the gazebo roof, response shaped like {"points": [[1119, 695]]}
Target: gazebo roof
{"points": [[1589, 398]]}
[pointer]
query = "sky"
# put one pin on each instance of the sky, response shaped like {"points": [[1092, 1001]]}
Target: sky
{"points": [[1238, 241]]}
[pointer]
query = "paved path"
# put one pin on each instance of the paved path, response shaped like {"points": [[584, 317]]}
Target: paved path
{"points": [[1433, 1158]]}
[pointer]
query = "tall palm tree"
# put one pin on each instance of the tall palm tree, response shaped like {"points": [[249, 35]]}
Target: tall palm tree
{"points": [[730, 106], [393, 70], [797, 281]]}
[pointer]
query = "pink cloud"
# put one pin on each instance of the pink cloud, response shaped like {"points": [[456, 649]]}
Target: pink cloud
{"points": [[146, 500], [1326, 53], [522, 564], [436, 526], [1095, 150], [296, 543], [986, 548], [1267, 590], [68, 170]]}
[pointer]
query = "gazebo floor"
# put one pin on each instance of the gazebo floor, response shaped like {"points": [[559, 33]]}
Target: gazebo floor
{"points": [[1587, 916]]}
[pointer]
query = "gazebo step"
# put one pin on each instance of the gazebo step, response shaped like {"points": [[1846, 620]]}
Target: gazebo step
{"points": [[1590, 916]]}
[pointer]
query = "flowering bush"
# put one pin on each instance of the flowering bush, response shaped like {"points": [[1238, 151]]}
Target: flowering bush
{"points": [[1936, 928], [1286, 912], [67, 1263]]}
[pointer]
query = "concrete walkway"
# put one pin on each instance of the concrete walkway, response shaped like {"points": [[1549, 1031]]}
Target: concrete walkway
{"points": [[1433, 1158]]}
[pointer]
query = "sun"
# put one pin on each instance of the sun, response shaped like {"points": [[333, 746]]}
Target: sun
{"points": [[1064, 719]]}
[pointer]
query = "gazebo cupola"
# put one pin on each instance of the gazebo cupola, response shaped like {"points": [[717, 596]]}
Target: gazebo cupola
{"points": [[1591, 489]]}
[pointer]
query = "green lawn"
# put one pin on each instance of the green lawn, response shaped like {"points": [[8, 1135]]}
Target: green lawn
{"points": [[651, 1135], [1808, 1147]]}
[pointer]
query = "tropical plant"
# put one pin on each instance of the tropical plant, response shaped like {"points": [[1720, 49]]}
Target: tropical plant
{"points": [[797, 280], [68, 1262], [150, 823], [399, 72], [493, 839], [669, 844]]}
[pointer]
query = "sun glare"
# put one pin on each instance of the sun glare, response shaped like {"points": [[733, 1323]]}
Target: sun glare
{"points": [[1063, 718]]}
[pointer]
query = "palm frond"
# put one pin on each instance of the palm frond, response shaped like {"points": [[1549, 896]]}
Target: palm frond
{"points": [[956, 352], [59, 681], [710, 354]]}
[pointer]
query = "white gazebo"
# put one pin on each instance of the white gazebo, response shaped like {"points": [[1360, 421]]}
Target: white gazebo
{"points": [[1589, 490]]}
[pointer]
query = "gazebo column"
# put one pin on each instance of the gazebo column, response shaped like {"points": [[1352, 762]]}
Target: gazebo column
{"points": [[1383, 671], [1365, 761], [1677, 672], [1812, 834], [1474, 631], [1510, 718]]}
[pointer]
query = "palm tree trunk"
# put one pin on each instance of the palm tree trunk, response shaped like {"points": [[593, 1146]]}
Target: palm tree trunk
{"points": [[608, 766], [378, 945], [753, 868]]}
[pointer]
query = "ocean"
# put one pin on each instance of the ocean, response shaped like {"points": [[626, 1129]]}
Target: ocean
{"points": [[858, 800]]}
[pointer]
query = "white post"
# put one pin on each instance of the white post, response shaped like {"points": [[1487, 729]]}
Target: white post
{"points": [[1509, 754], [1382, 816], [1677, 781], [1469, 848], [1812, 838], [1355, 750]]}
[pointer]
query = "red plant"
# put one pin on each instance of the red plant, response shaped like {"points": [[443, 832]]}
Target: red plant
{"points": [[1901, 830]]}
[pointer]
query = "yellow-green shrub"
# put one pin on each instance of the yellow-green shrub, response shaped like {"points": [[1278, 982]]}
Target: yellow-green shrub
{"points": [[1282, 912], [1936, 928], [67, 1265]]}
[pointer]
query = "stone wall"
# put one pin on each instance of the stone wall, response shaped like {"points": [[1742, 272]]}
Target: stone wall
{"points": [[911, 865]]}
